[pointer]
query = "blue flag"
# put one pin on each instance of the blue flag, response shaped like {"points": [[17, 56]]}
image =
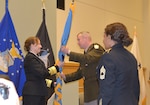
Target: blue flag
{"points": [[66, 34], [11, 56], [64, 40]]}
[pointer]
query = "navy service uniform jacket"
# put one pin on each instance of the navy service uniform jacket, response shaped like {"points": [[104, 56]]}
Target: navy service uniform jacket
{"points": [[118, 77], [36, 73]]}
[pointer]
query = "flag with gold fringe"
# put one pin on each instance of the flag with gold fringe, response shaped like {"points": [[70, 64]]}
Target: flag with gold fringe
{"points": [[65, 36], [136, 52]]}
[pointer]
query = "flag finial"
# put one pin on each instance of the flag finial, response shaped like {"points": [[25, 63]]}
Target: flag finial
{"points": [[72, 1], [72, 6], [43, 4]]}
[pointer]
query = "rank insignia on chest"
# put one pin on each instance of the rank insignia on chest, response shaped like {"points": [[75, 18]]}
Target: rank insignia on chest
{"points": [[102, 72]]}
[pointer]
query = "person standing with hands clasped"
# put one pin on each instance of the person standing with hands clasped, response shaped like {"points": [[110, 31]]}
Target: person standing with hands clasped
{"points": [[35, 88], [118, 69], [87, 69]]}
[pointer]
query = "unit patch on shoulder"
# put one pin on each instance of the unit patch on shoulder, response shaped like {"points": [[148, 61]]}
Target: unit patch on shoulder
{"points": [[96, 46]]}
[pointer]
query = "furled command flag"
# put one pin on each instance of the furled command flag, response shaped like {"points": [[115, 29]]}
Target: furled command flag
{"points": [[65, 36], [135, 51], [47, 53], [11, 56]]}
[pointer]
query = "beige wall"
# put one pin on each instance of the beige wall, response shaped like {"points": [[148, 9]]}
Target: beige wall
{"points": [[90, 15]]}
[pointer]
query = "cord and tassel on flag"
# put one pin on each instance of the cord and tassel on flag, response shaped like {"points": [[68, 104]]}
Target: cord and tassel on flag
{"points": [[136, 52], [64, 40]]}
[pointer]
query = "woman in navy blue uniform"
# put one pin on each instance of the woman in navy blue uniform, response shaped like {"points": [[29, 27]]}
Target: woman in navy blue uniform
{"points": [[35, 89], [118, 70]]}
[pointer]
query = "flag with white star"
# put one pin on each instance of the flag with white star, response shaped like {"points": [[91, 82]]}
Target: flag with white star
{"points": [[11, 56]]}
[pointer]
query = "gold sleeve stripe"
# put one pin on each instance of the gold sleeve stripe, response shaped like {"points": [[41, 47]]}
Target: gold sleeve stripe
{"points": [[52, 70], [48, 82]]}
